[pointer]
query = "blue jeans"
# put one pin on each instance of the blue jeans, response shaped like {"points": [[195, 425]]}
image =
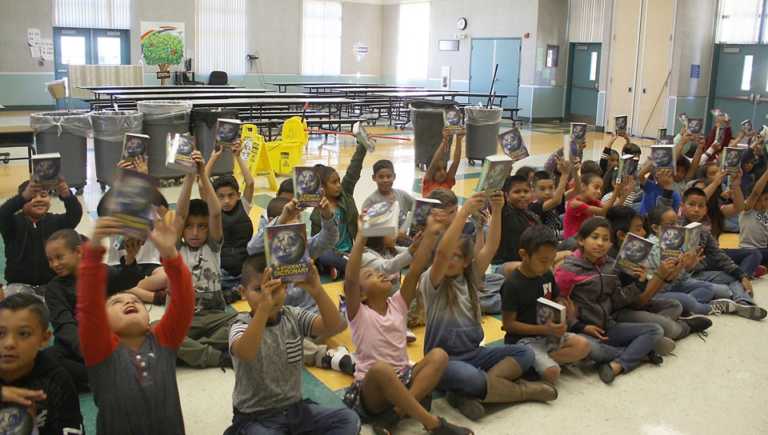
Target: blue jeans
{"points": [[689, 301], [465, 374], [600, 352], [737, 292], [747, 258], [301, 418], [637, 339]]}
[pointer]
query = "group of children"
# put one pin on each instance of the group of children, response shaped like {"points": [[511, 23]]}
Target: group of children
{"points": [[206, 254]]}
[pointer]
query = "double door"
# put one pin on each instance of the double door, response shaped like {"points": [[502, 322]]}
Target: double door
{"points": [[486, 54], [740, 84], [76, 46]]}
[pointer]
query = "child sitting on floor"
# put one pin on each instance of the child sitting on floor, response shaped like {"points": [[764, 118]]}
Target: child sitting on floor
{"points": [[31, 380], [588, 204], [475, 374], [437, 175], [384, 377], [550, 342], [753, 221], [266, 348], [132, 366], [384, 176], [589, 279], [548, 197]]}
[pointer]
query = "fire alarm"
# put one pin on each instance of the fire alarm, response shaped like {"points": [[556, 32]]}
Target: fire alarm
{"points": [[526, 35]]}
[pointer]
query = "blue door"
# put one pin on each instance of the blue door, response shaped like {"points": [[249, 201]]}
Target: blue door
{"points": [[583, 82], [75, 46], [741, 83], [486, 53]]}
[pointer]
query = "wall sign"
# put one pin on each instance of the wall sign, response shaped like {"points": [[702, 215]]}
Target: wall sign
{"points": [[695, 71]]}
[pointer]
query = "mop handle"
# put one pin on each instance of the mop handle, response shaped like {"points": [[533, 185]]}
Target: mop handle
{"points": [[493, 85]]}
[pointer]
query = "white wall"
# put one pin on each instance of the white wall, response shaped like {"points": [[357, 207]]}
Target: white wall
{"points": [[14, 52]]}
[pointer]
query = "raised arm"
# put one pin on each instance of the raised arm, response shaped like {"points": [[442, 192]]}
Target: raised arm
{"points": [[437, 156], [696, 159], [352, 277], [14, 204], [73, 210], [182, 204], [215, 156], [737, 198], [329, 322], [97, 342], [493, 239], [606, 153], [215, 231], [173, 327], [456, 157], [450, 240], [757, 190], [421, 259], [557, 198], [716, 182], [352, 175], [246, 347]]}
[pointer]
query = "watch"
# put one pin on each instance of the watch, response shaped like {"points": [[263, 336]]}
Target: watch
{"points": [[461, 23]]}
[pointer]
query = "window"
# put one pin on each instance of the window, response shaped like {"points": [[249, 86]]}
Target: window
{"points": [[738, 21], [221, 36], [108, 50], [321, 38], [593, 66], [746, 73], [97, 14], [413, 41], [73, 50]]}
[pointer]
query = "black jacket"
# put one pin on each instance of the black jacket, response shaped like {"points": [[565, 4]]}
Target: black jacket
{"points": [[25, 260]]}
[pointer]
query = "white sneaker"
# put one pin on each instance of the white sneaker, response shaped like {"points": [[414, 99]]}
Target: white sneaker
{"points": [[410, 337], [362, 137]]}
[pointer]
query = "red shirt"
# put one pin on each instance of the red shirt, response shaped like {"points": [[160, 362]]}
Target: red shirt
{"points": [[427, 186], [575, 216]]}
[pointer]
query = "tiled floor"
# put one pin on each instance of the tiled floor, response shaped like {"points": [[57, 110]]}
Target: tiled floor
{"points": [[711, 386]]}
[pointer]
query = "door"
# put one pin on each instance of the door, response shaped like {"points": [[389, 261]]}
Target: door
{"points": [[583, 82], [741, 83], [486, 53], [74, 46], [649, 114], [623, 64]]}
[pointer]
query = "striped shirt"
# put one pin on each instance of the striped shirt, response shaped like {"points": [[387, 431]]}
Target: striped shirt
{"points": [[273, 379]]}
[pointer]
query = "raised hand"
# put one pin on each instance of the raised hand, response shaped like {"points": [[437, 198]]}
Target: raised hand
{"points": [[325, 208], [266, 298], [164, 237], [497, 201], [32, 190], [475, 203], [63, 189], [236, 148], [290, 212], [197, 157], [105, 227]]}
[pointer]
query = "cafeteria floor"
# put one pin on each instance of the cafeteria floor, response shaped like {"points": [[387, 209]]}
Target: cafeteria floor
{"points": [[709, 386]]}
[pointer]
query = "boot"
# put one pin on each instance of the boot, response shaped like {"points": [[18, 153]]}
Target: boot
{"points": [[500, 390]]}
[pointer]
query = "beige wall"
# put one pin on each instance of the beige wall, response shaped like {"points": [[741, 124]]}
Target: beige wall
{"points": [[14, 51], [694, 41], [551, 30], [361, 23]]}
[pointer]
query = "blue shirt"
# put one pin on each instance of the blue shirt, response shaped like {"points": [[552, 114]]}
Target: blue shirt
{"points": [[345, 239], [654, 195]]}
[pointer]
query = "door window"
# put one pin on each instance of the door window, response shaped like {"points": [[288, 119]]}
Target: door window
{"points": [[593, 66], [108, 50], [73, 50], [746, 73]]}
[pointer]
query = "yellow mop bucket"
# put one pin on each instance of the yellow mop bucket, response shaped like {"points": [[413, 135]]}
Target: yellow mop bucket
{"points": [[288, 150]]}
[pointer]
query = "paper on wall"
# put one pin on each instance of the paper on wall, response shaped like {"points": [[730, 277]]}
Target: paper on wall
{"points": [[33, 37], [46, 48], [34, 52]]}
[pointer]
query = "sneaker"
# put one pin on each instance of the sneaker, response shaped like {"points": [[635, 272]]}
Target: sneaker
{"points": [[339, 359], [696, 323], [446, 428], [722, 306], [655, 359], [468, 407], [410, 337], [752, 312], [760, 271], [362, 137], [606, 373], [664, 346]]}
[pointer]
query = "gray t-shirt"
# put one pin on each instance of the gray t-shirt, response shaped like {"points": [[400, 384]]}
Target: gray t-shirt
{"points": [[753, 229], [205, 265], [404, 200], [453, 328], [273, 379]]}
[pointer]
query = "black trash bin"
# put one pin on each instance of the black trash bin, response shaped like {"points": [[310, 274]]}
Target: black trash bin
{"points": [[427, 133], [204, 128], [482, 132], [109, 128], [163, 117], [64, 132]]}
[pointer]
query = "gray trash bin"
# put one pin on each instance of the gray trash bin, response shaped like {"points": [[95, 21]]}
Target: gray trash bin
{"points": [[109, 128], [64, 132], [160, 118], [482, 132], [427, 133], [203, 127]]}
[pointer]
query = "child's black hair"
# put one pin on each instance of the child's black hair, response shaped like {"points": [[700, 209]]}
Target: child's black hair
{"points": [[446, 197], [71, 238], [621, 217], [383, 164], [693, 191], [654, 217], [325, 173], [377, 244], [23, 186], [226, 181], [591, 167], [26, 301], [525, 172], [631, 148], [587, 177], [541, 175], [512, 180], [253, 267], [275, 207], [535, 237], [590, 225], [286, 186], [198, 207], [683, 162]]}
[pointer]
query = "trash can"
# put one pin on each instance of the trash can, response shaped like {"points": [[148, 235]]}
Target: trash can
{"points": [[64, 132], [160, 118], [427, 133], [109, 128], [482, 131], [204, 128]]}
